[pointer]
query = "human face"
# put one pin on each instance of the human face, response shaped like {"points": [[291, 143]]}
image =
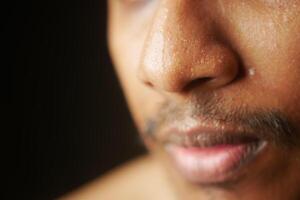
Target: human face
{"points": [[213, 86]]}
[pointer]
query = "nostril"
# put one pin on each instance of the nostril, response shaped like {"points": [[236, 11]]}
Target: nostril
{"points": [[143, 78], [148, 83], [197, 82]]}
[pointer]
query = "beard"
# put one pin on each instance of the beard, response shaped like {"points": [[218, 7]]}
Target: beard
{"points": [[269, 124]]}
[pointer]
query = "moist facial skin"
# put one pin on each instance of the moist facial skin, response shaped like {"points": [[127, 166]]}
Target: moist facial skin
{"points": [[217, 82]]}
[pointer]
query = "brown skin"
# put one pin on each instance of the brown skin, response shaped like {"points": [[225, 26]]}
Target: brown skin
{"points": [[245, 50], [141, 179]]}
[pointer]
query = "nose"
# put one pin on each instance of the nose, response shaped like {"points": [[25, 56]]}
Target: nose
{"points": [[182, 50]]}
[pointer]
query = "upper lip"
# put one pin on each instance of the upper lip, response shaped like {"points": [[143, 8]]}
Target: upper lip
{"points": [[207, 135]]}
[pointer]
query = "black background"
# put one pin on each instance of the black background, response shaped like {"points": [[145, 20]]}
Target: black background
{"points": [[69, 119]]}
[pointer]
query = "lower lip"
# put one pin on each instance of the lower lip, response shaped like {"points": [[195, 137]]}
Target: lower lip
{"points": [[215, 164]]}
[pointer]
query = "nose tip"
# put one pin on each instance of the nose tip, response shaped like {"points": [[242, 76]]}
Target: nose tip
{"points": [[182, 51], [215, 68]]}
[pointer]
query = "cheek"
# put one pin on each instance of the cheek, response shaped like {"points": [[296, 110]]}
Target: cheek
{"points": [[279, 65], [269, 44], [126, 53]]}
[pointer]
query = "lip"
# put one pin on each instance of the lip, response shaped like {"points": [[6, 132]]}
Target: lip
{"points": [[210, 154]]}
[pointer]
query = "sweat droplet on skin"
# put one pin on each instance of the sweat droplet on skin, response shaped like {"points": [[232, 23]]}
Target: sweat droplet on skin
{"points": [[251, 72]]}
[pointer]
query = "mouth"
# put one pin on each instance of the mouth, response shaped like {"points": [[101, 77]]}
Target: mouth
{"points": [[212, 155]]}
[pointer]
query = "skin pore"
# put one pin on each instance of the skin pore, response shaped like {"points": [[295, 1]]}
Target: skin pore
{"points": [[232, 62]]}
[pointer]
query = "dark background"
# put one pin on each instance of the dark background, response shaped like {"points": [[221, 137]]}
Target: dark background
{"points": [[69, 119]]}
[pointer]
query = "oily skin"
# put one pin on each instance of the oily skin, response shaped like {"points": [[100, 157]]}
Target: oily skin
{"points": [[245, 50]]}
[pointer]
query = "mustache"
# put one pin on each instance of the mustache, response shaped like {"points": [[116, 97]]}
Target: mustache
{"points": [[268, 124]]}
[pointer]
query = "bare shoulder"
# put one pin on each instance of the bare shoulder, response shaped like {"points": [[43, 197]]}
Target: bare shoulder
{"points": [[142, 178]]}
